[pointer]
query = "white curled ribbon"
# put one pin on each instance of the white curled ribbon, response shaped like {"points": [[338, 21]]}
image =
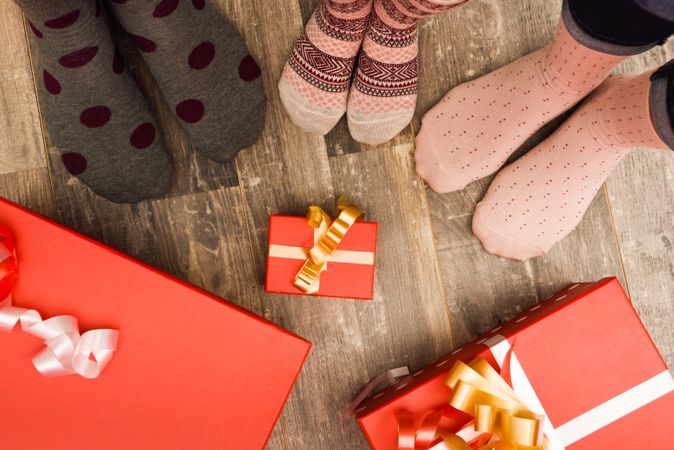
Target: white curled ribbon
{"points": [[66, 351]]}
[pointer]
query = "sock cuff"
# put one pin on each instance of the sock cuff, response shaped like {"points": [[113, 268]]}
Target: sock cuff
{"points": [[659, 109], [585, 38]]}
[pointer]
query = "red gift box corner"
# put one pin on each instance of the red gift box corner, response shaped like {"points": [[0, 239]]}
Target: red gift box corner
{"points": [[191, 370], [581, 348]]}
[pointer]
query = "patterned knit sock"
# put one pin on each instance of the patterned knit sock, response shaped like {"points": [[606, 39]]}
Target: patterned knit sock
{"points": [[540, 198], [384, 93], [95, 113], [203, 68], [315, 83], [473, 130]]}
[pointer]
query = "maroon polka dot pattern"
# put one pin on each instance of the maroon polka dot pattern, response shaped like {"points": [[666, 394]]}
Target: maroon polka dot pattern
{"points": [[117, 61], [36, 32], [199, 4], [143, 136], [144, 44], [202, 55], [540, 198], [248, 69], [74, 163], [64, 21], [165, 7], [190, 111], [475, 128], [78, 58], [50, 83], [96, 116]]}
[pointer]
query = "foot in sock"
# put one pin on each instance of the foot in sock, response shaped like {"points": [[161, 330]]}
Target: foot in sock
{"points": [[202, 68], [384, 93], [96, 115], [315, 83], [540, 198], [473, 130]]}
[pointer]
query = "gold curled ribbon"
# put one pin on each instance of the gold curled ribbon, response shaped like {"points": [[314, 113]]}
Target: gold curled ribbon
{"points": [[480, 391], [326, 239], [502, 420]]}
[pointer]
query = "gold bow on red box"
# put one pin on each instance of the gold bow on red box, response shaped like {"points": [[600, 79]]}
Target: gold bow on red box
{"points": [[481, 392], [326, 239]]}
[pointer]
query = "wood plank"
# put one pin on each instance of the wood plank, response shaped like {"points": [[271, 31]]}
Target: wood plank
{"points": [[408, 322], [29, 188], [20, 133]]}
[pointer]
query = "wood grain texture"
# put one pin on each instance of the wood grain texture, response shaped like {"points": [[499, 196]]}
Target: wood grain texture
{"points": [[30, 188], [408, 322], [435, 285], [20, 134]]}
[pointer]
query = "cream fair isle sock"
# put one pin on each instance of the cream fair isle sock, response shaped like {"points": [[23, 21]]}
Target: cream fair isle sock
{"points": [[473, 130], [540, 198], [315, 83], [384, 93]]}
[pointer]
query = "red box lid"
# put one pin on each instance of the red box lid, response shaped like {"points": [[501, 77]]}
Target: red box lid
{"points": [[190, 371], [579, 349]]}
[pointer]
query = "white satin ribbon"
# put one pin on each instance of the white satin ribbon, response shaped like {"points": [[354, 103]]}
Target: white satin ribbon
{"points": [[66, 351], [586, 423]]}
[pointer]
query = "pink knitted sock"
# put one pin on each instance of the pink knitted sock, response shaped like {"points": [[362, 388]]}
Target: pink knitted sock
{"points": [[473, 130], [384, 93], [314, 86], [540, 198]]}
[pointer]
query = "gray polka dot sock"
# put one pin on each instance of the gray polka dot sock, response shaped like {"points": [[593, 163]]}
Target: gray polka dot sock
{"points": [[95, 113], [202, 67]]}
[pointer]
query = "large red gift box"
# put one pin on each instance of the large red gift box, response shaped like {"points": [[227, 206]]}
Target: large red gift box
{"points": [[190, 371], [582, 358], [350, 271]]}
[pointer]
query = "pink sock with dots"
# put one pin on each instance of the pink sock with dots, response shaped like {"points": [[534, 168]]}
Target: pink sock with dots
{"points": [[315, 83], [473, 130], [540, 198]]}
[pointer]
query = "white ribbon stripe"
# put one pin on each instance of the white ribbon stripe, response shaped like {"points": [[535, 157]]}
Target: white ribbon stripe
{"points": [[590, 421]]}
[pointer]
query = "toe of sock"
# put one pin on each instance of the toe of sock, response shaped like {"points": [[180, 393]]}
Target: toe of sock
{"points": [[302, 113], [377, 128], [153, 182], [430, 168], [499, 243]]}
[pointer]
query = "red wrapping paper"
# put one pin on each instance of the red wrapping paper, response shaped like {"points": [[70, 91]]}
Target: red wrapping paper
{"points": [[191, 370], [346, 280], [581, 349]]}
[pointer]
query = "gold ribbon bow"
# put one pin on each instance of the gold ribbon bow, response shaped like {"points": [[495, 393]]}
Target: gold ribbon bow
{"points": [[480, 391], [326, 240]]}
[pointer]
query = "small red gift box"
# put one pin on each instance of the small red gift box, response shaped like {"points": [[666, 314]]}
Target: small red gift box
{"points": [[190, 371], [582, 359], [350, 270]]}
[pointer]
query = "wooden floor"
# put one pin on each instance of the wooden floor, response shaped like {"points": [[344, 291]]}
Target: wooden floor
{"points": [[211, 228]]}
